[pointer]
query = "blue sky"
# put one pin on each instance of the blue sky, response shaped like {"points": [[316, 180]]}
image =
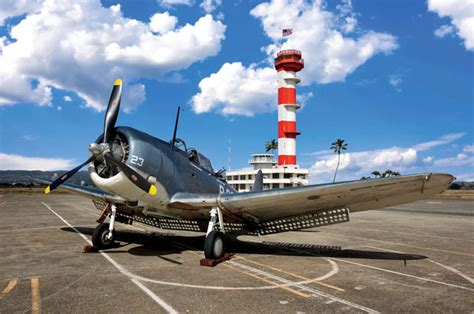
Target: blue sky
{"points": [[393, 78]]}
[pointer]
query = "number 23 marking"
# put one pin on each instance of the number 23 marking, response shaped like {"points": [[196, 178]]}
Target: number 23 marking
{"points": [[137, 160]]}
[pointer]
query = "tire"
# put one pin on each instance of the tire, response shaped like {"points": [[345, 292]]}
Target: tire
{"points": [[99, 237], [214, 246]]}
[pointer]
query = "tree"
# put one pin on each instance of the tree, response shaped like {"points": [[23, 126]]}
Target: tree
{"points": [[337, 146], [271, 146], [387, 173], [376, 173], [390, 173]]}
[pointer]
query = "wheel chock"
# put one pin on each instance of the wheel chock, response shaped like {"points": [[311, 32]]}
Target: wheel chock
{"points": [[215, 262], [90, 249]]}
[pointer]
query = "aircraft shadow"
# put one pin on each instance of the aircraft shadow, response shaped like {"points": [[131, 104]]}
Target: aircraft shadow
{"points": [[160, 244]]}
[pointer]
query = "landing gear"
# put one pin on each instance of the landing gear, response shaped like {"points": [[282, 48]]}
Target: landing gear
{"points": [[104, 234], [100, 237], [214, 245]]}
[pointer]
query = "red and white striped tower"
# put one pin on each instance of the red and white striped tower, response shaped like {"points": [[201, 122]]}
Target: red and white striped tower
{"points": [[287, 63]]}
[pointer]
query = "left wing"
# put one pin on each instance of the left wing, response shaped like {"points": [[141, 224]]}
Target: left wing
{"points": [[360, 195]]}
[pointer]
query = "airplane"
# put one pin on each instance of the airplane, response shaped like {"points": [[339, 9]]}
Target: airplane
{"points": [[168, 185]]}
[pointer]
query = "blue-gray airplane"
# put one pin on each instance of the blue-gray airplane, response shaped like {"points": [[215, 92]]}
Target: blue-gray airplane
{"points": [[170, 186]]}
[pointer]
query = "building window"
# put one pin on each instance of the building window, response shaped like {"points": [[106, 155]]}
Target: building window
{"points": [[242, 187], [288, 185], [229, 178], [276, 176], [236, 177], [266, 186], [275, 186], [302, 176], [242, 177], [287, 175], [250, 177]]}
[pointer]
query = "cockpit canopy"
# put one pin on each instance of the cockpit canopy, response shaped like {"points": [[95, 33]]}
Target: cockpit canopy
{"points": [[194, 156]]}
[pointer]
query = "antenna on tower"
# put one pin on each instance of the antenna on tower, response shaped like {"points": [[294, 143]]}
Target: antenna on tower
{"points": [[229, 156]]}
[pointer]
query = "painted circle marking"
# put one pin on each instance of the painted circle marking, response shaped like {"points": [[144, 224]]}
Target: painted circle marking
{"points": [[334, 270]]}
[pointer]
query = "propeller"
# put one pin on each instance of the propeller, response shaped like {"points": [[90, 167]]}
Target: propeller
{"points": [[112, 110], [66, 176], [102, 151]]}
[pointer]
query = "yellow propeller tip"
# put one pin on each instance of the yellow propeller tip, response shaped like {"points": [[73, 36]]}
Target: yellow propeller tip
{"points": [[152, 190], [118, 82], [47, 190]]}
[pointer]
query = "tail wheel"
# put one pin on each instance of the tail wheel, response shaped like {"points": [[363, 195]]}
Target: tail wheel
{"points": [[214, 246], [100, 237]]}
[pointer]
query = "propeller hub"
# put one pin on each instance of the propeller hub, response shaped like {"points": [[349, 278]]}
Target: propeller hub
{"points": [[98, 150]]}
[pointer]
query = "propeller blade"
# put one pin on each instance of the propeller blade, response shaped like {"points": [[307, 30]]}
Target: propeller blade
{"points": [[132, 175], [112, 110], [66, 176]]}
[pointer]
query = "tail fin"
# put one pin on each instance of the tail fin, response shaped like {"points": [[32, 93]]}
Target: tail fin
{"points": [[258, 184]]}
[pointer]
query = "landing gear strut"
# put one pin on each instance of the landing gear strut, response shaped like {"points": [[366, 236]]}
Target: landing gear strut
{"points": [[214, 245], [104, 234]]}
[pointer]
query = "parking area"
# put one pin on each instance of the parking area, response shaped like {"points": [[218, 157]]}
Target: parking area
{"points": [[415, 257]]}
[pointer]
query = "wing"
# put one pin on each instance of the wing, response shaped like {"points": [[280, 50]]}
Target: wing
{"points": [[268, 205], [88, 192]]}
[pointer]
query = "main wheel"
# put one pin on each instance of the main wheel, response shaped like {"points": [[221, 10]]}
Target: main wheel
{"points": [[214, 247], [99, 237]]}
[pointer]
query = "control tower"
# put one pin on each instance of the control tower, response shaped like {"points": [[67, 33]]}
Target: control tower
{"points": [[285, 173], [287, 64]]}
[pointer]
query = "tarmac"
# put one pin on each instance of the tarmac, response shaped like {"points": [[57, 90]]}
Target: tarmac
{"points": [[412, 258]]}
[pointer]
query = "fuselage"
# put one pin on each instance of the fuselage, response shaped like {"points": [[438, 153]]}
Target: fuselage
{"points": [[170, 169]]}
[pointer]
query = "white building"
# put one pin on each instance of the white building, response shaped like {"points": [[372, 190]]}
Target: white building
{"points": [[274, 176]]}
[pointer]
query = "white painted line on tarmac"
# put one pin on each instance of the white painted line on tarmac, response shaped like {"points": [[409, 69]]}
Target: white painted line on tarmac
{"points": [[119, 267], [403, 274], [303, 288], [454, 270]]}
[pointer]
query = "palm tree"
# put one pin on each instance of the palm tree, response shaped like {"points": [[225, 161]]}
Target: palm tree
{"points": [[376, 173], [337, 146], [390, 173], [271, 146]]}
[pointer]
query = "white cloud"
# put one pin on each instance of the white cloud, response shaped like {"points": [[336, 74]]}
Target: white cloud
{"points": [[163, 22], [84, 47], [17, 162], [13, 8], [169, 3], [357, 164], [354, 165], [428, 160], [443, 30], [67, 98], [235, 89], [210, 5], [319, 34], [59, 108], [468, 149], [461, 13], [445, 139], [459, 160], [30, 137], [395, 81]]}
